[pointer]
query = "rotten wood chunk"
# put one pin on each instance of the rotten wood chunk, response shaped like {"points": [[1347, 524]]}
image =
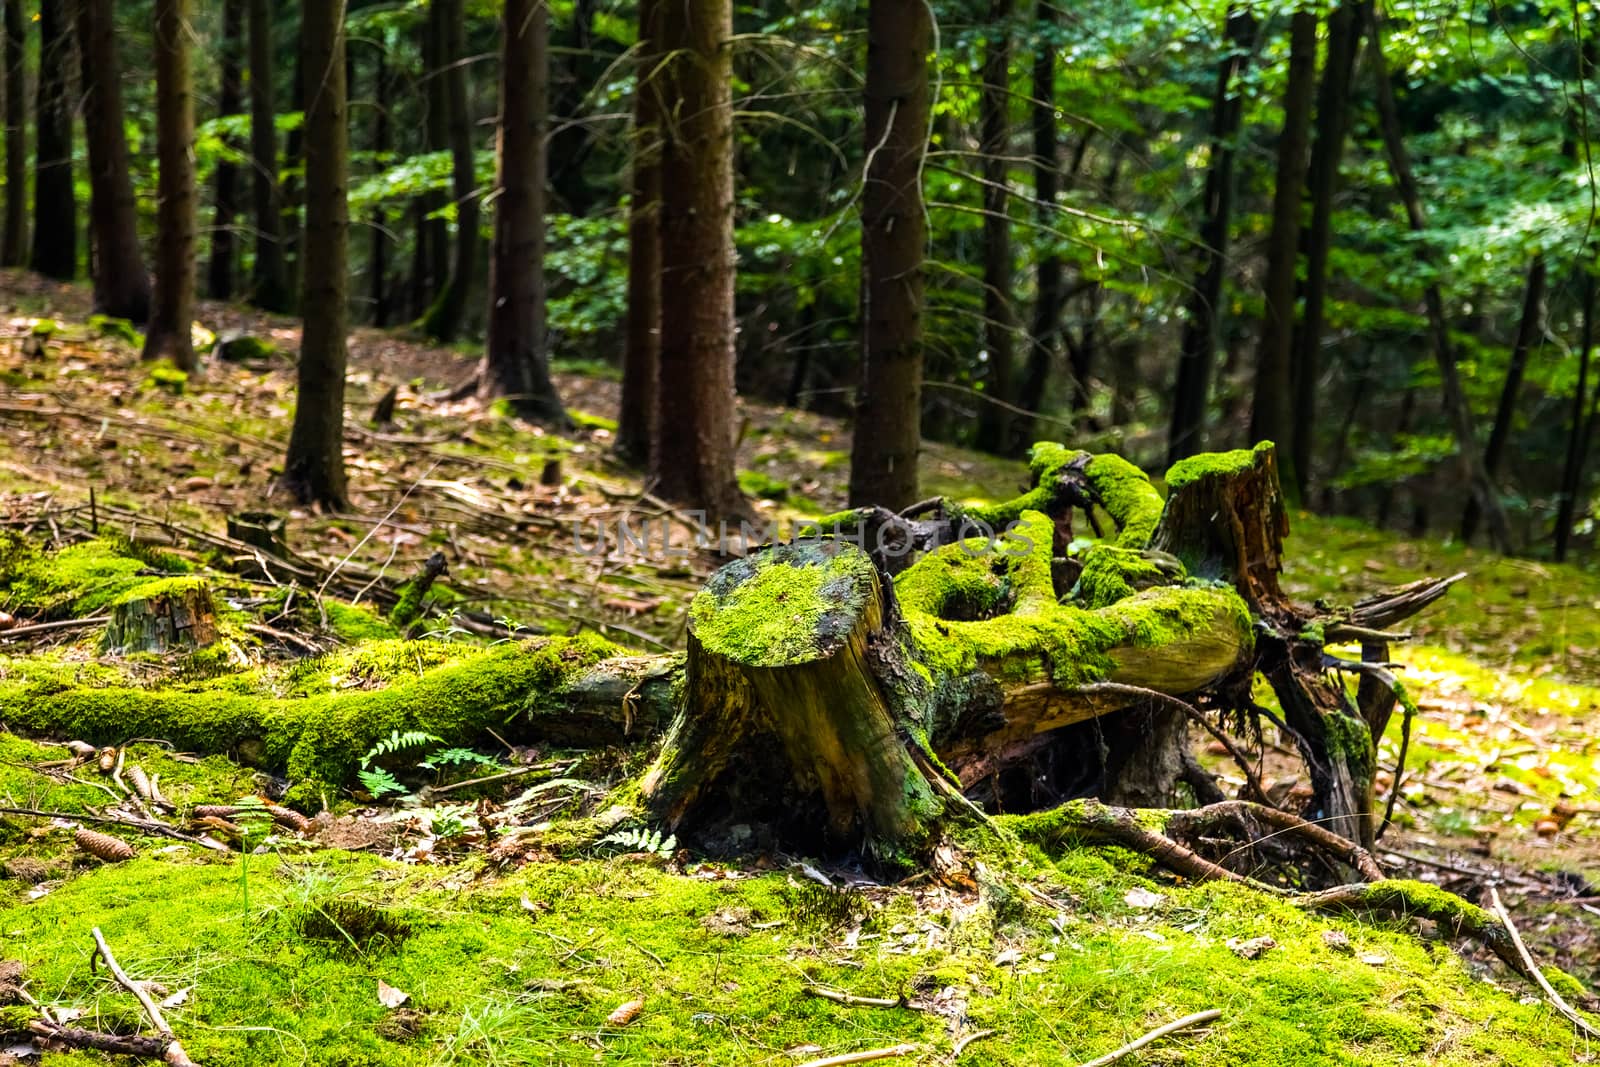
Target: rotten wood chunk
{"points": [[180, 615]]}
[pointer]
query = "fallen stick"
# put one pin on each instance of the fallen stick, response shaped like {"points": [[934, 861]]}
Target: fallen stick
{"points": [[132, 824], [173, 1052], [862, 1057], [1157, 1034], [47, 627], [851, 1000], [976, 1035], [146, 1047], [1565, 1010]]}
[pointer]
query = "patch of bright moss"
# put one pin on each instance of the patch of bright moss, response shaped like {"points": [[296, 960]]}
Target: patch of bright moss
{"points": [[1206, 464], [118, 329], [763, 486], [1111, 573], [167, 378], [354, 623], [784, 605]]}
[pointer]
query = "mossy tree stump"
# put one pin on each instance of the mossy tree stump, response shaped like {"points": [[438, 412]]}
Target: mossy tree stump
{"points": [[173, 614]]}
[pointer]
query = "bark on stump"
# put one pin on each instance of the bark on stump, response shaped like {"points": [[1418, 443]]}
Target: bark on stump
{"points": [[179, 617]]}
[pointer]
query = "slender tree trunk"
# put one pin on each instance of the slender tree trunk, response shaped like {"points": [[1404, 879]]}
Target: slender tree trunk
{"points": [[420, 278], [55, 211], [1579, 431], [121, 284], [1333, 101], [694, 447], [1272, 412], [443, 321], [15, 239], [219, 275], [514, 363], [270, 280], [378, 270], [172, 317], [999, 316], [1530, 328], [1049, 296], [313, 471], [1198, 350], [642, 342], [436, 130], [887, 436], [1455, 400]]}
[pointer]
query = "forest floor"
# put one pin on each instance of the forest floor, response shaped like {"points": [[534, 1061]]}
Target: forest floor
{"points": [[395, 933]]}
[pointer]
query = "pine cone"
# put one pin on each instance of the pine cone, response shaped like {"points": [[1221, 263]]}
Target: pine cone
{"points": [[108, 848]]}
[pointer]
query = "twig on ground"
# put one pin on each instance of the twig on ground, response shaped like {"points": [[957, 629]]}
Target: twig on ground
{"points": [[1197, 1019], [132, 824], [173, 1053], [49, 627], [976, 1035], [853, 1001], [1241, 811], [1565, 1010], [862, 1057]]}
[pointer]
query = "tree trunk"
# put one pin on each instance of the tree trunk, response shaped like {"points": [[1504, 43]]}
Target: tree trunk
{"points": [[1272, 412], [172, 316], [694, 447], [15, 238], [1455, 400], [1049, 295], [1198, 349], [1333, 101], [436, 130], [514, 363], [443, 320], [291, 192], [1530, 331], [378, 268], [887, 433], [642, 342], [121, 283], [55, 211], [219, 276], [999, 317], [314, 468], [269, 281], [1579, 429]]}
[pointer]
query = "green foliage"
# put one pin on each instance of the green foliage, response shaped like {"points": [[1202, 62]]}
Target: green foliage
{"points": [[638, 840]]}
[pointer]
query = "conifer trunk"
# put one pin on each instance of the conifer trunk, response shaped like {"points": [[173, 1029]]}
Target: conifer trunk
{"points": [[314, 468], [55, 209], [888, 419], [999, 315], [693, 456], [378, 253], [225, 202], [515, 364], [121, 283], [15, 237], [269, 283], [1049, 294], [172, 314], [444, 318], [642, 343]]}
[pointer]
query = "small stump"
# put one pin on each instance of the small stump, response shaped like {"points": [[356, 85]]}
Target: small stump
{"points": [[175, 614]]}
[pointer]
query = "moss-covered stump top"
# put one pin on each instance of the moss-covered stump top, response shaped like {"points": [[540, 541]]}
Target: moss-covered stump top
{"points": [[1186, 472], [787, 605]]}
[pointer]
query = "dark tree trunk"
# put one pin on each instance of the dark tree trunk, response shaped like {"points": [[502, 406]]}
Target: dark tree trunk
{"points": [[999, 316], [292, 191], [1333, 101], [1579, 430], [15, 239], [443, 320], [642, 342], [1530, 329], [515, 363], [1198, 349], [224, 252], [421, 280], [1456, 407], [1272, 412], [55, 209], [269, 282], [121, 284], [378, 268], [314, 468], [172, 316], [436, 130], [693, 455], [1049, 296], [887, 434]]}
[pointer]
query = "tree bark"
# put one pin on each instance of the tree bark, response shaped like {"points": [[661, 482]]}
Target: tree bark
{"points": [[641, 356], [694, 446], [436, 130], [1579, 430], [172, 316], [1049, 293], [887, 433], [1272, 412], [378, 253], [224, 252], [1333, 101], [1198, 349], [443, 320], [15, 238], [270, 279], [1456, 407], [999, 316], [55, 211], [314, 469], [121, 283], [1530, 329], [515, 364]]}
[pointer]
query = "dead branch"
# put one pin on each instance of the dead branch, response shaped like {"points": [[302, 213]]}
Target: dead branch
{"points": [[1242, 812], [132, 824], [151, 1048], [853, 1001], [173, 1052], [1534, 972], [1197, 1019], [862, 1057], [51, 627]]}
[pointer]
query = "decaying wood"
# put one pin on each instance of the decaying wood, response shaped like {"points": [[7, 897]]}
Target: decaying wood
{"points": [[150, 1048], [173, 1052], [1532, 971], [1199, 1018], [183, 616]]}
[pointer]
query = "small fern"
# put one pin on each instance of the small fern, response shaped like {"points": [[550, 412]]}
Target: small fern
{"points": [[640, 840], [379, 783], [397, 741], [454, 757]]}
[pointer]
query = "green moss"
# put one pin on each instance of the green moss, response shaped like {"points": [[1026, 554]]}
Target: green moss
{"points": [[167, 378], [1111, 573], [784, 605], [119, 329], [357, 622], [763, 486], [247, 348], [1128, 497], [583, 420], [80, 579], [1187, 471], [45, 328], [1047, 461]]}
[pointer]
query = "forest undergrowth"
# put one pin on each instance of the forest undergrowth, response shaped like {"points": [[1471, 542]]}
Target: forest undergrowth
{"points": [[424, 919]]}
